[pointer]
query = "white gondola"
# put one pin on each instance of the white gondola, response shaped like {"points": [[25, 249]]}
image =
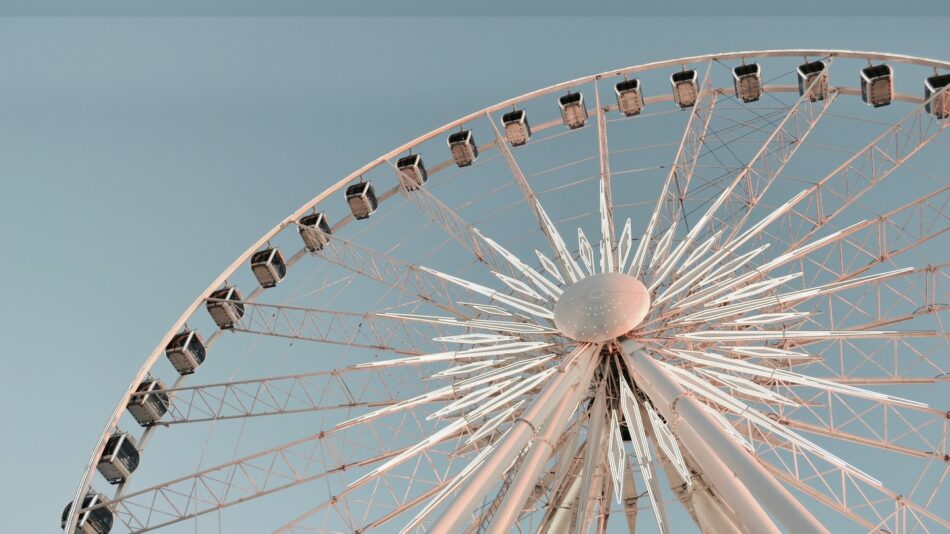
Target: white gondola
{"points": [[629, 98], [877, 85], [517, 128], [119, 459], [685, 90], [149, 402], [412, 172], [268, 267], [97, 521], [940, 105], [747, 79], [573, 111], [186, 351], [463, 147], [315, 231], [362, 200], [225, 307], [813, 78]]}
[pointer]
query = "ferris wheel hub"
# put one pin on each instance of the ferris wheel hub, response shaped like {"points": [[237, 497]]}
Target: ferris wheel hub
{"points": [[601, 307]]}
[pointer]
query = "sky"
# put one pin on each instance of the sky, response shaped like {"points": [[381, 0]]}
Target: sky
{"points": [[140, 155]]}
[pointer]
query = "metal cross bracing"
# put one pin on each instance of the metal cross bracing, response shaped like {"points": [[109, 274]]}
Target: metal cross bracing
{"points": [[906, 307]]}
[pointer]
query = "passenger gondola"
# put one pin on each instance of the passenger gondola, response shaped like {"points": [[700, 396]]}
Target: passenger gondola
{"points": [[463, 147], [813, 78], [629, 98], [149, 402], [747, 79], [96, 521], [227, 309], [877, 85], [517, 128], [119, 459], [412, 172], [315, 231], [685, 91], [268, 267], [186, 351], [362, 200], [940, 105], [573, 111]]}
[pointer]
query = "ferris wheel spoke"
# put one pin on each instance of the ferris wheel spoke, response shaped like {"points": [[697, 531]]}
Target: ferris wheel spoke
{"points": [[839, 189], [397, 504], [572, 270], [680, 175], [878, 442], [394, 273], [739, 195], [606, 199], [247, 478], [770, 161], [380, 331], [455, 227], [337, 390]]}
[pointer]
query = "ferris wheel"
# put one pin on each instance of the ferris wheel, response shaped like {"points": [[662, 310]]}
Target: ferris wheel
{"points": [[704, 294]]}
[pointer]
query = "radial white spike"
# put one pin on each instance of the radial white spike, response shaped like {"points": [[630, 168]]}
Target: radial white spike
{"points": [[438, 394], [549, 266], [574, 272], [624, 245], [731, 266], [688, 280], [631, 414], [511, 393], [766, 352], [504, 372], [587, 253], [536, 278], [667, 442], [765, 222], [490, 309], [636, 266], [749, 368], [494, 422], [752, 290], [482, 324], [519, 286], [715, 277], [469, 399], [474, 339], [699, 252], [466, 368], [748, 387], [606, 240], [514, 302], [769, 318], [616, 455], [484, 351], [662, 245]]}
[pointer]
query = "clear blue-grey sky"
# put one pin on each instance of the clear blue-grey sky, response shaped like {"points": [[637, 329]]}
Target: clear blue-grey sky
{"points": [[139, 156]]}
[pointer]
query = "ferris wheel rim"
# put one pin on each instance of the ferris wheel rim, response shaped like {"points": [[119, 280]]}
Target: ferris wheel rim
{"points": [[387, 158]]}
